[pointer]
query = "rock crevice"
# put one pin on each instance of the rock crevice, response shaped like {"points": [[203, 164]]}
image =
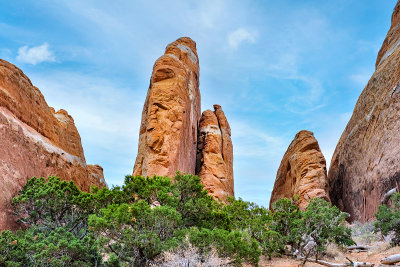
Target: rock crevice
{"points": [[174, 135]]}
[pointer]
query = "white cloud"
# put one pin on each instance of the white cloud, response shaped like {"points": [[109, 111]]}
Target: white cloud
{"points": [[35, 54], [252, 142], [241, 35], [361, 79], [106, 113]]}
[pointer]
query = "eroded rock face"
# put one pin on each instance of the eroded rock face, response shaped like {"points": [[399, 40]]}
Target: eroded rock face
{"points": [[96, 175], [168, 138], [35, 141], [302, 172], [366, 162], [168, 132], [215, 154]]}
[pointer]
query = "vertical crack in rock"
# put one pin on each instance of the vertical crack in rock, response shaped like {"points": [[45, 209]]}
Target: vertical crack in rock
{"points": [[302, 172], [172, 136]]}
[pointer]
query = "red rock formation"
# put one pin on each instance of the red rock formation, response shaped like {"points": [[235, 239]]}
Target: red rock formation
{"points": [[215, 154], [366, 162], [392, 40], [302, 172], [168, 132], [96, 175], [171, 113], [35, 141]]}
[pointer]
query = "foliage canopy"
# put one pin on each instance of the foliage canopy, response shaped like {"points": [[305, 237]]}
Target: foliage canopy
{"points": [[132, 224]]}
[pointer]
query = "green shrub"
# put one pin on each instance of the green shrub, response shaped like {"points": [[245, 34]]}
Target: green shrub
{"points": [[237, 245], [51, 248], [364, 233], [313, 229], [272, 243], [324, 224], [136, 233], [388, 219], [251, 218], [287, 221], [135, 223], [52, 204]]}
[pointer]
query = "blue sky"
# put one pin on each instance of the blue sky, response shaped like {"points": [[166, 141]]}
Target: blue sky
{"points": [[276, 67]]}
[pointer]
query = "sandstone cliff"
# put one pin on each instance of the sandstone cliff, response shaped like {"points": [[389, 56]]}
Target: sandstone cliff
{"points": [[302, 171], [366, 162], [168, 138], [168, 132], [215, 154], [35, 141]]}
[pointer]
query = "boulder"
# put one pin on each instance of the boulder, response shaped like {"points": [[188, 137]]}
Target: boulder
{"points": [[302, 172], [366, 162], [35, 141]]}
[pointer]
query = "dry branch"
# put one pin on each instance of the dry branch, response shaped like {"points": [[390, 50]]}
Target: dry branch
{"points": [[391, 259], [358, 247], [350, 263], [387, 196]]}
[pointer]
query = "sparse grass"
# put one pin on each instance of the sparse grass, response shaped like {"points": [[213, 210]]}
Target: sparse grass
{"points": [[190, 256], [363, 234]]}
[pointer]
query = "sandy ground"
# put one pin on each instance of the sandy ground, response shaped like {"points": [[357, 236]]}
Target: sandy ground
{"points": [[377, 251]]}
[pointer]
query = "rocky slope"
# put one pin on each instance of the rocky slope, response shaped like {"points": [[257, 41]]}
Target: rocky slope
{"points": [[366, 162], [302, 171], [35, 141], [215, 154], [170, 131]]}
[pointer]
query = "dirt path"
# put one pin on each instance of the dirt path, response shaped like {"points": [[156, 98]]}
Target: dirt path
{"points": [[376, 253]]}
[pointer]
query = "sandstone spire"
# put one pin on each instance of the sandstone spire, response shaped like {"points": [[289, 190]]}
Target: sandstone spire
{"points": [[168, 138], [366, 162], [215, 154], [302, 171], [168, 132], [35, 141]]}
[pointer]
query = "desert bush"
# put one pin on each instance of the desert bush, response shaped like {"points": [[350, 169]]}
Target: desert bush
{"points": [[286, 220], [58, 247], [237, 245], [388, 219], [56, 214], [251, 218], [312, 230], [325, 224], [191, 256], [52, 204], [150, 219], [136, 233], [364, 233]]}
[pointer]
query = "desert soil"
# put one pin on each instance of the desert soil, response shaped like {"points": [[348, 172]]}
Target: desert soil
{"points": [[377, 251]]}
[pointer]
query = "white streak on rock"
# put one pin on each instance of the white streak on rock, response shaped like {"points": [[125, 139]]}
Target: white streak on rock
{"points": [[39, 139]]}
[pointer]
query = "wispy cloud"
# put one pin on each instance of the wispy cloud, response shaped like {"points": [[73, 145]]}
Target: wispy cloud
{"points": [[241, 35], [36, 54], [251, 141], [106, 114], [361, 79]]}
